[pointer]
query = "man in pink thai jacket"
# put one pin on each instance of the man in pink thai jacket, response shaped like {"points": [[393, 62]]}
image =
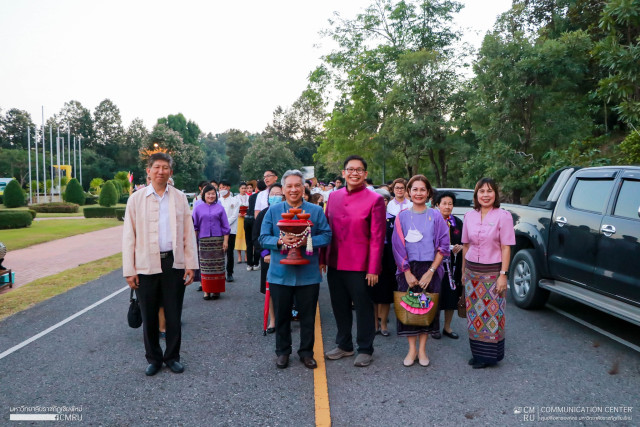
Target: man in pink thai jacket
{"points": [[357, 219]]}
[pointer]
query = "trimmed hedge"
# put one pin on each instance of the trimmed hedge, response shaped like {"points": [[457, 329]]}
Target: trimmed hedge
{"points": [[55, 207], [123, 199], [13, 196], [15, 219], [99, 212], [108, 195], [120, 213], [74, 193], [33, 213]]}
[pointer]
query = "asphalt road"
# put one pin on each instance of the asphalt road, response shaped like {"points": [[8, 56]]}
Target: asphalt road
{"points": [[97, 362]]}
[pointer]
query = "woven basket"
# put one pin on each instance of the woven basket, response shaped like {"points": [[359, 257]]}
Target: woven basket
{"points": [[411, 319]]}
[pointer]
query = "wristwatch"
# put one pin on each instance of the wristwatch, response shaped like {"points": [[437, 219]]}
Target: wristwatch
{"points": [[506, 273], [431, 269]]}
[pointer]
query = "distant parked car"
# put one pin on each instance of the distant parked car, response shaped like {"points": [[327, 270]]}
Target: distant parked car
{"points": [[3, 184], [464, 200]]}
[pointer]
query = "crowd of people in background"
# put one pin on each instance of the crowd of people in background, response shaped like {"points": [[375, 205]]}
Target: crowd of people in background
{"points": [[371, 241]]}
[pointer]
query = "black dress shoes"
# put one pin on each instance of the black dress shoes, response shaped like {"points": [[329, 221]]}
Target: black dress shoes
{"points": [[436, 335], [230, 278], [479, 365], [450, 334], [309, 362], [215, 295], [152, 370], [176, 367], [283, 361], [271, 330]]}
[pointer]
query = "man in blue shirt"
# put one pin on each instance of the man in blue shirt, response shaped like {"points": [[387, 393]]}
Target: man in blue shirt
{"points": [[301, 282]]}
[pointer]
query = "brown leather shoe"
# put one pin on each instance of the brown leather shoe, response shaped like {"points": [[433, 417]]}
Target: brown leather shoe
{"points": [[283, 361], [309, 362]]}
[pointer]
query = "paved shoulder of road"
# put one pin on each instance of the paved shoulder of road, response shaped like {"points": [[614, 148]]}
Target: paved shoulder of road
{"points": [[56, 256]]}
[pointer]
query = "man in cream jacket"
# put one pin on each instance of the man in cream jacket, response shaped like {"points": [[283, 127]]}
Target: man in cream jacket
{"points": [[159, 257]]}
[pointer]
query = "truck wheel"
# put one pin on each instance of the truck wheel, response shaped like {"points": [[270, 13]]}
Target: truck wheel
{"points": [[523, 281]]}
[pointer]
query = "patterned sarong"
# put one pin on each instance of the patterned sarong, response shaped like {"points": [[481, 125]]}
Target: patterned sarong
{"points": [[211, 255], [485, 312]]}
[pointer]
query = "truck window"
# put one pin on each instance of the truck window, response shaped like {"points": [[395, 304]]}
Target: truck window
{"points": [[628, 201], [591, 194]]}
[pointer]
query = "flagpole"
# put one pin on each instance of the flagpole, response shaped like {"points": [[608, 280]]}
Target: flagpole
{"points": [[80, 158], [37, 172], [69, 144], [51, 157], [29, 157], [75, 175], [44, 158], [58, 153]]}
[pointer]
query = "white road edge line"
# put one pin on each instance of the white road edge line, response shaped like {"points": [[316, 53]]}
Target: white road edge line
{"points": [[57, 325], [593, 327]]}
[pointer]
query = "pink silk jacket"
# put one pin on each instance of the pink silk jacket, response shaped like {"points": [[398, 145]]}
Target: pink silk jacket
{"points": [[358, 222]]}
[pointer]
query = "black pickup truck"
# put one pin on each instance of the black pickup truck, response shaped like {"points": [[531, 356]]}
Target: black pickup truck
{"points": [[580, 237]]}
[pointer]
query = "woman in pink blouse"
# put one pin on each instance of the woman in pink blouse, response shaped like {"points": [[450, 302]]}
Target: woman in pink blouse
{"points": [[487, 235]]}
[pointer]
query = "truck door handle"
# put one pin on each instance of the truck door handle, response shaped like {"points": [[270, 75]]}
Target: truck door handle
{"points": [[608, 230], [561, 221]]}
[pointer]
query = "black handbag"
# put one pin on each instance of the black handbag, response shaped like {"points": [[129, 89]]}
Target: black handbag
{"points": [[134, 316]]}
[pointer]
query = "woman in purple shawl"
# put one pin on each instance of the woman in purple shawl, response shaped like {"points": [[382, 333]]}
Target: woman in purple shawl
{"points": [[420, 242]]}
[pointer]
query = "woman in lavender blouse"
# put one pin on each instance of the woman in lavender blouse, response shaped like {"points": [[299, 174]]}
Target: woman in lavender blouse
{"points": [[420, 242], [212, 230]]}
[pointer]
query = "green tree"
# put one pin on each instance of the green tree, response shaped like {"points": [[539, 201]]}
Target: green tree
{"points": [[215, 162], [528, 97], [377, 72], [13, 196], [123, 178], [619, 55], [188, 158], [13, 129], [95, 165], [74, 193], [15, 163], [108, 195], [188, 130], [108, 130], [237, 145], [268, 154], [74, 115], [96, 184], [630, 148]]}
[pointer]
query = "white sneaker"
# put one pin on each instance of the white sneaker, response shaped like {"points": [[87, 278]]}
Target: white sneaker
{"points": [[256, 267], [249, 268]]}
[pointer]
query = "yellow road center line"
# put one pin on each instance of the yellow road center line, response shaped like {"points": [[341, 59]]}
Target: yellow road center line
{"points": [[320, 389]]}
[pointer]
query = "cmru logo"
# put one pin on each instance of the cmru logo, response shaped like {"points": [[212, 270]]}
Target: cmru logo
{"points": [[68, 417], [528, 412]]}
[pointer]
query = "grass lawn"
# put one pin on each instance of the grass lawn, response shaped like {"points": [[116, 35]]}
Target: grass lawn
{"points": [[47, 287], [45, 231], [58, 215]]}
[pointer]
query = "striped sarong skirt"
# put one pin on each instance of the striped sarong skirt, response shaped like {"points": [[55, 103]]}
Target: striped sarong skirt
{"points": [[211, 255], [485, 311]]}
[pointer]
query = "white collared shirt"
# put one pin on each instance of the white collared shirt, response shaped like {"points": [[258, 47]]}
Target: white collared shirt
{"points": [[394, 208], [231, 206], [164, 224]]}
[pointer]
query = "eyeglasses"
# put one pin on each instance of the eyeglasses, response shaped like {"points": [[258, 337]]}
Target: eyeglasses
{"points": [[398, 189], [359, 171]]}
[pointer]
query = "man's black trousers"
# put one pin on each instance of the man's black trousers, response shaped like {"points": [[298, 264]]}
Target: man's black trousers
{"points": [[164, 289], [306, 298]]}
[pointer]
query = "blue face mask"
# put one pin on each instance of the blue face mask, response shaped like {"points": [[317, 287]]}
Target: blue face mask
{"points": [[274, 199]]}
